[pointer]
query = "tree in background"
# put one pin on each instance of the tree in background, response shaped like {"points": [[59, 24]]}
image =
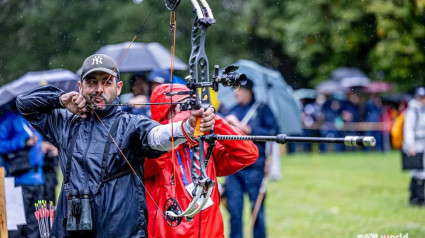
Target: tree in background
{"points": [[304, 39], [321, 35], [45, 34]]}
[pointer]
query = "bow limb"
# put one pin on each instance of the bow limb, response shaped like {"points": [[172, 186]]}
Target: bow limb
{"points": [[203, 203], [191, 205]]}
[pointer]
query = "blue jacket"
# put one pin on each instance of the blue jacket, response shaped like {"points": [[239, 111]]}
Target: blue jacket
{"points": [[13, 137], [261, 123]]}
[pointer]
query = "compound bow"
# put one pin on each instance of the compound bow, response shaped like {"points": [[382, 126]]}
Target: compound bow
{"points": [[199, 84]]}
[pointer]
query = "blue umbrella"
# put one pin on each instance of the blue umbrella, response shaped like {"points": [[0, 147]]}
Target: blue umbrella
{"points": [[271, 89], [141, 56], [60, 78]]}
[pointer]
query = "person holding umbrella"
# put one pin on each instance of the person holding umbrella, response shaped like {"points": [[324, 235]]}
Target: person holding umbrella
{"points": [[253, 118]]}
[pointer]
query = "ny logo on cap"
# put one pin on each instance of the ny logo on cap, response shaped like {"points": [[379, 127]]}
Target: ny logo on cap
{"points": [[97, 59]]}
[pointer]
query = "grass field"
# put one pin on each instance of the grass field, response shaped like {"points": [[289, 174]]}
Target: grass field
{"points": [[340, 195]]}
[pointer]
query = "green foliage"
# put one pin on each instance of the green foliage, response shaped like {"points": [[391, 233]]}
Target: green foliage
{"points": [[45, 34], [303, 39], [400, 50], [321, 35]]}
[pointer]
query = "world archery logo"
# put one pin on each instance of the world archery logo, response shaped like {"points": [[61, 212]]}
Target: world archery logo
{"points": [[97, 59]]}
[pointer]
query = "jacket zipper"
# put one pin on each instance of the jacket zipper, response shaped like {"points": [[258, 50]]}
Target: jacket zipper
{"points": [[86, 150]]}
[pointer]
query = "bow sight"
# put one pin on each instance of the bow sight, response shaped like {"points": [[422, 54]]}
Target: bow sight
{"points": [[229, 78]]}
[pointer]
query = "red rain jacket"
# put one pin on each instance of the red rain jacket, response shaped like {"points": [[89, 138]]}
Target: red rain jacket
{"points": [[228, 158]]}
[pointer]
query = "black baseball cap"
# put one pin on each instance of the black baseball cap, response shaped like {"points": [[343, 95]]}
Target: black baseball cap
{"points": [[99, 62]]}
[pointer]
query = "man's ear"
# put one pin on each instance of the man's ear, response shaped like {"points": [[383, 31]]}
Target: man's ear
{"points": [[80, 86], [119, 87]]}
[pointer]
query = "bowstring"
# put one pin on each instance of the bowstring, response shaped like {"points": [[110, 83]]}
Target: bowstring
{"points": [[173, 25], [129, 164]]}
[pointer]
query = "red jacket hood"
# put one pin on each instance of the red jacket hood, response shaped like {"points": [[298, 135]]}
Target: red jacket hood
{"points": [[159, 112]]}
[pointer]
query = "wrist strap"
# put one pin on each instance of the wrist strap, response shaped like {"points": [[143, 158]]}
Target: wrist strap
{"points": [[190, 141]]}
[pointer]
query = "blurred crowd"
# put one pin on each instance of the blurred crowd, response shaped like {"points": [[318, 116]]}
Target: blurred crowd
{"points": [[348, 114]]}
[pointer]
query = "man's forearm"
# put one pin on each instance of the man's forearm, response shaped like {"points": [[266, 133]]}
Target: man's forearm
{"points": [[40, 100], [159, 136]]}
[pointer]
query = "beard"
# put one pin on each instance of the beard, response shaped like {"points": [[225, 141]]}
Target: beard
{"points": [[98, 102]]}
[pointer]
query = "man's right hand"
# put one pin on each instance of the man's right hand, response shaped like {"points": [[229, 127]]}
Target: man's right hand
{"points": [[75, 103]]}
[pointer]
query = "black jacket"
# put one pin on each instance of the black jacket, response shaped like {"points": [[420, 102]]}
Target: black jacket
{"points": [[119, 206]]}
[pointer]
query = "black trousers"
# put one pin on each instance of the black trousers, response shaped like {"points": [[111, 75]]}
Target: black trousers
{"points": [[31, 194], [417, 191]]}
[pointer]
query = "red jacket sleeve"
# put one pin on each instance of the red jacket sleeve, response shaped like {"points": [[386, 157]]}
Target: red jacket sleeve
{"points": [[232, 156]]}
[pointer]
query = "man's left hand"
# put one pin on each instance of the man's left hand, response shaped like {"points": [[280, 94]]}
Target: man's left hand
{"points": [[207, 121]]}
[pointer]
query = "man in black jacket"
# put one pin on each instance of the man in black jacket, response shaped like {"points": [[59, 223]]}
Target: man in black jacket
{"points": [[93, 162]]}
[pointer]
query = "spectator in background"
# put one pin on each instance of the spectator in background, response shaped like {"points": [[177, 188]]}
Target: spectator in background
{"points": [[138, 96], [309, 119], [351, 110], [373, 113], [20, 145], [331, 117], [159, 76], [248, 180], [50, 169], [138, 85], [414, 143]]}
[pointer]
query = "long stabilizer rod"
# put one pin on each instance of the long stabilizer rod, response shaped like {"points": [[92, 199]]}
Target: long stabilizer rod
{"points": [[367, 141]]}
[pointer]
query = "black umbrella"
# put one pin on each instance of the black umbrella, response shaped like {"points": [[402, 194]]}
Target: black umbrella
{"points": [[60, 78], [141, 56]]}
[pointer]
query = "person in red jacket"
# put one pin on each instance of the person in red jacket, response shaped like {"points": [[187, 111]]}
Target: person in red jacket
{"points": [[228, 158]]}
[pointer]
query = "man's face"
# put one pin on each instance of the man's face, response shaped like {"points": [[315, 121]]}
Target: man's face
{"points": [[140, 87], [422, 100], [97, 89], [243, 96]]}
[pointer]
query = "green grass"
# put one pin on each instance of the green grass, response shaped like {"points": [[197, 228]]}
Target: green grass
{"points": [[340, 195]]}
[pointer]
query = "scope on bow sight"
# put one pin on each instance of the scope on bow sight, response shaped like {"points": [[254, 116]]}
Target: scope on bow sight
{"points": [[228, 78]]}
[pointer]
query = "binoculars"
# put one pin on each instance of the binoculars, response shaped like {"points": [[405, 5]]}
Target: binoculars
{"points": [[79, 212]]}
